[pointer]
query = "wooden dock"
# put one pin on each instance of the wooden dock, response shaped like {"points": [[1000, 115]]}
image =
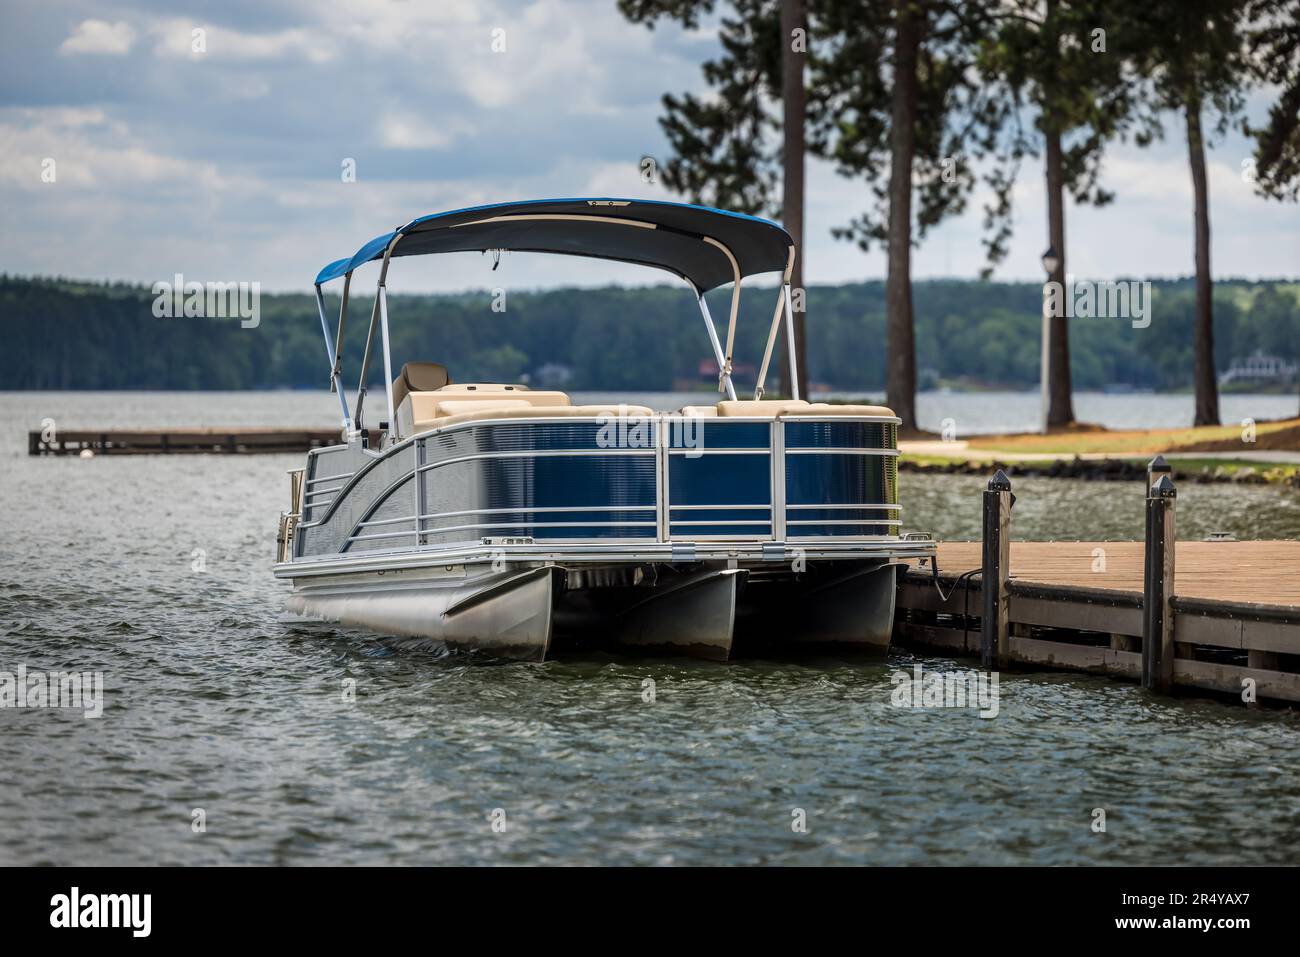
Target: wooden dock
{"points": [[1221, 616], [237, 440]]}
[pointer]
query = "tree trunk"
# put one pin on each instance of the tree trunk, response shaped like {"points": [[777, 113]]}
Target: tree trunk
{"points": [[1207, 386], [1060, 403], [1060, 398], [794, 17], [900, 338]]}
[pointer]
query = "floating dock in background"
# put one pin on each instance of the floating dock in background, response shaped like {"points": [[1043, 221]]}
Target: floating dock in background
{"points": [[236, 440], [1221, 616]]}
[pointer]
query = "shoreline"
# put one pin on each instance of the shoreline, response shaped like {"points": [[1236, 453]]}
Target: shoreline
{"points": [[1262, 453], [1230, 471]]}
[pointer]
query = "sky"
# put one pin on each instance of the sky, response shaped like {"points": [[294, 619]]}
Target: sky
{"points": [[227, 163]]}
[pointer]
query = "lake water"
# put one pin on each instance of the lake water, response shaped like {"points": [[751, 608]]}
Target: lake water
{"points": [[156, 571]]}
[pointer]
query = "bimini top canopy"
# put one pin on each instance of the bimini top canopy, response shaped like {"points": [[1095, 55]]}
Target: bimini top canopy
{"points": [[706, 247]]}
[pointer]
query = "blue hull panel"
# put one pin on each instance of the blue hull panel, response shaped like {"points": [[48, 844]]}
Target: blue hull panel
{"points": [[621, 481]]}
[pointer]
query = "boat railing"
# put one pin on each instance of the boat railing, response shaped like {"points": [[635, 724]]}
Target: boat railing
{"points": [[289, 520], [666, 479]]}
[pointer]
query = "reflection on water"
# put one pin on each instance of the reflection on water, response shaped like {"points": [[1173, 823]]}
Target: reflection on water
{"points": [[156, 571]]}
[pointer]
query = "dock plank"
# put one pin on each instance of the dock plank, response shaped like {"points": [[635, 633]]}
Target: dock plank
{"points": [[1246, 573]]}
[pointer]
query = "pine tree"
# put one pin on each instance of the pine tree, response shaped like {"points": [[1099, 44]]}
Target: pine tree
{"points": [[1053, 57], [894, 90], [1192, 53]]}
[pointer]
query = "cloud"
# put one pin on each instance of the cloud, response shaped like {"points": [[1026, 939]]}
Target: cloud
{"points": [[181, 38], [91, 153], [97, 36], [226, 164], [409, 131]]}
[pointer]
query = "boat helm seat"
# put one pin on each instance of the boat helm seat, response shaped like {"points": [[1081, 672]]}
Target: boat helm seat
{"points": [[419, 377]]}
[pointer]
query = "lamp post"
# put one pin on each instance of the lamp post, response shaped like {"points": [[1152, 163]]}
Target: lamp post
{"points": [[1050, 261]]}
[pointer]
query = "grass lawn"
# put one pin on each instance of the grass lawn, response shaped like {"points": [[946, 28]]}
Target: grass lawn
{"points": [[1268, 435]]}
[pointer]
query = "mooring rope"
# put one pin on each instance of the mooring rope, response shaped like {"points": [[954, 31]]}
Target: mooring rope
{"points": [[964, 581]]}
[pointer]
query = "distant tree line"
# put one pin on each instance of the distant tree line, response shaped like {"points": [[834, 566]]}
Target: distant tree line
{"points": [[61, 334]]}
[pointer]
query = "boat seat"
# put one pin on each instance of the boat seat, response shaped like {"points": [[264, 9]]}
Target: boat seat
{"points": [[699, 411], [486, 413], [757, 408], [789, 408], [827, 408], [474, 389], [419, 377], [418, 410], [453, 407]]}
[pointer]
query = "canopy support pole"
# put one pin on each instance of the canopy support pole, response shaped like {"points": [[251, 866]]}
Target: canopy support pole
{"points": [[735, 306], [332, 353], [365, 359], [338, 336], [388, 363], [378, 318], [724, 371], [771, 343], [381, 303]]}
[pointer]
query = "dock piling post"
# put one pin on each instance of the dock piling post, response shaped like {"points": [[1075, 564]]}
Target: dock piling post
{"points": [[994, 650], [1158, 587], [1157, 467]]}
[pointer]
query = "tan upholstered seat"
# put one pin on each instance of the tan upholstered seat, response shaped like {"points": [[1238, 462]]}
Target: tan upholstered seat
{"points": [[492, 388], [699, 411], [418, 409], [759, 408], [792, 408], [455, 407], [826, 408], [487, 413], [418, 377]]}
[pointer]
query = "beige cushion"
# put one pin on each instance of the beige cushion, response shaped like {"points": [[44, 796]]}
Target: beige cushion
{"points": [[424, 407], [485, 412], [826, 408], [489, 392], [702, 411], [759, 408], [418, 377], [493, 387], [454, 407], [793, 408]]}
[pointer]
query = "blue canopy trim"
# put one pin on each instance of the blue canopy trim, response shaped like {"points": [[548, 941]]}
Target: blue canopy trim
{"points": [[664, 235]]}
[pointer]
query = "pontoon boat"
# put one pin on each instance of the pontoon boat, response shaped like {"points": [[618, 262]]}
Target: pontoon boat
{"points": [[494, 517]]}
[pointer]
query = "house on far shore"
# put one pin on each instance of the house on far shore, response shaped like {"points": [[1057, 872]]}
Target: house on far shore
{"points": [[1260, 369]]}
